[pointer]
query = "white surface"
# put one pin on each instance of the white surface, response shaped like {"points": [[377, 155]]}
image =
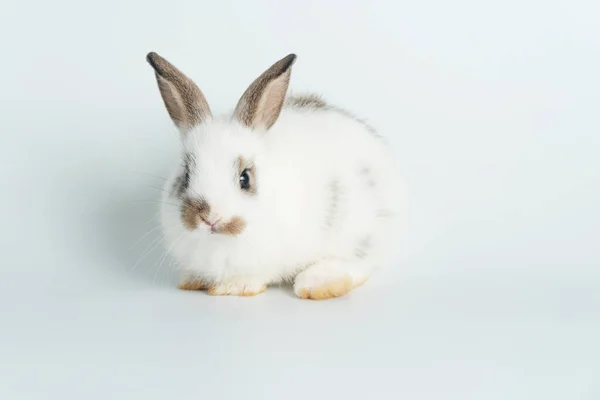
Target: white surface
{"points": [[493, 110]]}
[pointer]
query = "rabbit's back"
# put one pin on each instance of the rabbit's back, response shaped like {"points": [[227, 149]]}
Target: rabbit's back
{"points": [[330, 186]]}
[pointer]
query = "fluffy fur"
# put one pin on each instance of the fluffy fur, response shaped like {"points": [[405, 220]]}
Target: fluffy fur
{"points": [[320, 214]]}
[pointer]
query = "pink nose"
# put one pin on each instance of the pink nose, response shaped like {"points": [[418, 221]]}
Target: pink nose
{"points": [[212, 222]]}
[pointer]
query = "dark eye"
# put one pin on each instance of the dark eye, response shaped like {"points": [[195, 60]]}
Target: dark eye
{"points": [[245, 180]]}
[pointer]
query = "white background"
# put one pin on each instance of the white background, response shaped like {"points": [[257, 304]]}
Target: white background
{"points": [[492, 109]]}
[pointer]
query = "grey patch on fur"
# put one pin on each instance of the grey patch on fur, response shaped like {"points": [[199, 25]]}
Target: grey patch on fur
{"points": [[361, 121], [312, 101], [384, 214], [335, 192], [182, 182], [366, 172], [362, 248], [315, 102], [176, 189]]}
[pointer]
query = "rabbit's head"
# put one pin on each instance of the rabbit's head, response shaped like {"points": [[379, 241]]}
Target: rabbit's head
{"points": [[219, 178]]}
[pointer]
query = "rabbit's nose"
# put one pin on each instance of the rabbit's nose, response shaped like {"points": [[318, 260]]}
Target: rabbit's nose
{"points": [[212, 221]]}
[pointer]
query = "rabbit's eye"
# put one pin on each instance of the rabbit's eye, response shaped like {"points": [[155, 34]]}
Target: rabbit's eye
{"points": [[245, 180]]}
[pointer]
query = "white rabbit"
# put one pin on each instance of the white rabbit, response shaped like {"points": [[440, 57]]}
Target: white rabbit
{"points": [[285, 189]]}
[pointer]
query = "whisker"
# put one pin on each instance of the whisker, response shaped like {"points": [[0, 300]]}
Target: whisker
{"points": [[158, 188], [142, 238], [171, 266], [155, 202], [166, 254], [153, 245], [151, 175]]}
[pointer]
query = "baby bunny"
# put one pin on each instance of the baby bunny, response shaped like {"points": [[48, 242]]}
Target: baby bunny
{"points": [[285, 189]]}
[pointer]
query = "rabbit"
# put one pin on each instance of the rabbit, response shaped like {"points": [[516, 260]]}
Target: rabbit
{"points": [[286, 189]]}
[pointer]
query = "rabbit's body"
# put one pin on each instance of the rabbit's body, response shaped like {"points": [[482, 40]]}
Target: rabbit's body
{"points": [[319, 214]]}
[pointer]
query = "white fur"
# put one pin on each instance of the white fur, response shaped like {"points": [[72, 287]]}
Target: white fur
{"points": [[291, 226]]}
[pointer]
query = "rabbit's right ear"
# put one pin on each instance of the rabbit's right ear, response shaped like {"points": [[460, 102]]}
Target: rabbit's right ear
{"points": [[183, 99], [262, 102]]}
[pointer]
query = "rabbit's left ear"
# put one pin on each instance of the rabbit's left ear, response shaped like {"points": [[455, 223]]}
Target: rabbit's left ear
{"points": [[261, 103], [183, 99]]}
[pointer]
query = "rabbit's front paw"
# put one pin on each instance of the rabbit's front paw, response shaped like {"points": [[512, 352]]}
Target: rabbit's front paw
{"points": [[236, 289], [188, 280], [194, 284], [323, 280]]}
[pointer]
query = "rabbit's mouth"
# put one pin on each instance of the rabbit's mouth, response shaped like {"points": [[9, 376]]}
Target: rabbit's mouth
{"points": [[197, 211]]}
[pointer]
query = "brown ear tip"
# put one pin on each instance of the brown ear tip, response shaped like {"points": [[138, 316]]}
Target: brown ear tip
{"points": [[290, 59], [153, 59]]}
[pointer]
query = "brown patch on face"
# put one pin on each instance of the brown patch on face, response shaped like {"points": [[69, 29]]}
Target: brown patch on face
{"points": [[241, 165], [184, 101], [193, 212], [312, 101], [335, 288], [262, 102], [234, 227]]}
